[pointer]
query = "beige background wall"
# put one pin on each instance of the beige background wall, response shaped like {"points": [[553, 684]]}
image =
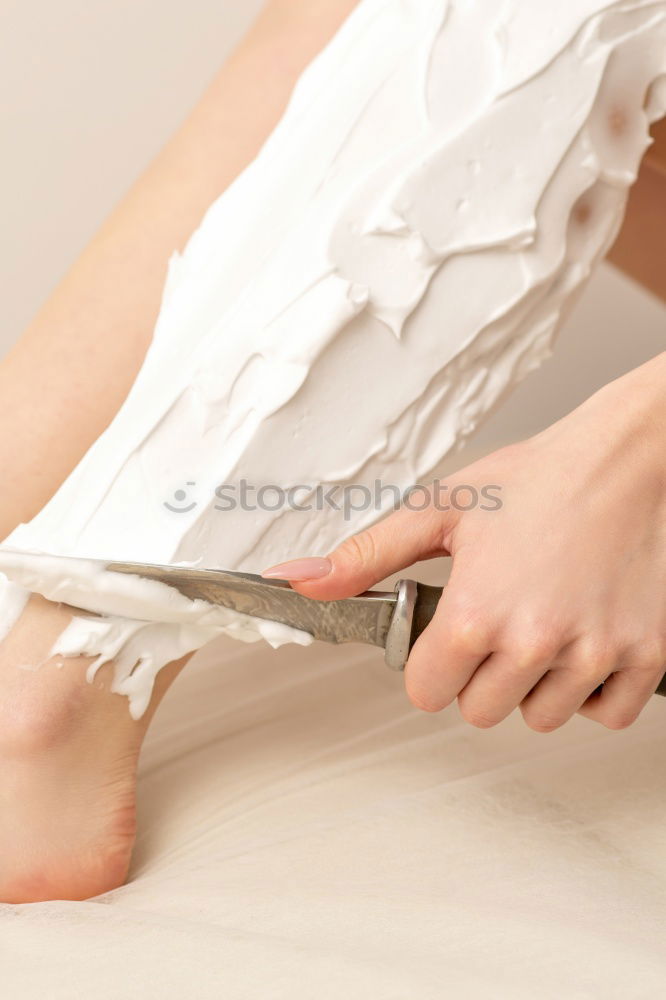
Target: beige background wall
{"points": [[91, 89]]}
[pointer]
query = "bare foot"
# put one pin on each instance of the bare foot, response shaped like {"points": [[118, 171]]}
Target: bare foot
{"points": [[68, 761]]}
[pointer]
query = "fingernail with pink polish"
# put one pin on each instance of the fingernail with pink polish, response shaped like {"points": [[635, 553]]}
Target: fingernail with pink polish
{"points": [[299, 570]]}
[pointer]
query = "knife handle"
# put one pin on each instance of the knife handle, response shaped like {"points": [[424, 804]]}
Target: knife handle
{"points": [[415, 609]]}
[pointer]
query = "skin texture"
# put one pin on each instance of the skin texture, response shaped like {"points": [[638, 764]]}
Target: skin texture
{"points": [[69, 750]]}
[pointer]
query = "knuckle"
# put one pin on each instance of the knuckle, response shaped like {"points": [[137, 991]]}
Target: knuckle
{"points": [[596, 660], [477, 716], [619, 718], [539, 650], [359, 549], [470, 631], [648, 659], [467, 638], [540, 721], [532, 639], [424, 700]]}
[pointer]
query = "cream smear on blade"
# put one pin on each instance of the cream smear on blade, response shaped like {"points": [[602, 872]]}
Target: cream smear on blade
{"points": [[398, 256]]}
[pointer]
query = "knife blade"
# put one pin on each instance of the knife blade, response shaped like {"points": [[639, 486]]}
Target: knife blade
{"points": [[392, 620]]}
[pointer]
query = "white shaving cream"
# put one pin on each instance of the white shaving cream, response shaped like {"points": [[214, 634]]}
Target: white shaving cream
{"points": [[399, 255]]}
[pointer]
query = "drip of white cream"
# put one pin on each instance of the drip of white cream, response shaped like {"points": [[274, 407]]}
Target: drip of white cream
{"points": [[400, 254]]}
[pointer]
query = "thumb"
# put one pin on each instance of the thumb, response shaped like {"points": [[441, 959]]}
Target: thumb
{"points": [[401, 539]]}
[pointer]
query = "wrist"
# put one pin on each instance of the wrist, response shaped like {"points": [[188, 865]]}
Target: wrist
{"points": [[648, 389], [644, 404], [637, 400], [619, 429]]}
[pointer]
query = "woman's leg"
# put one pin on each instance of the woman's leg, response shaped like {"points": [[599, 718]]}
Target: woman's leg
{"points": [[68, 749], [69, 373]]}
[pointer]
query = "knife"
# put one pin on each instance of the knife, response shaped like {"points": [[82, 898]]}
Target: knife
{"points": [[392, 620]]}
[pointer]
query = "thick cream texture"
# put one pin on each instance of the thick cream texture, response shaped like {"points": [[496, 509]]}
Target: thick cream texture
{"points": [[399, 255]]}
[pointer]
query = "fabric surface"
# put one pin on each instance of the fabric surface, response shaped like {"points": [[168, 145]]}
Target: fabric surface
{"points": [[305, 832]]}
